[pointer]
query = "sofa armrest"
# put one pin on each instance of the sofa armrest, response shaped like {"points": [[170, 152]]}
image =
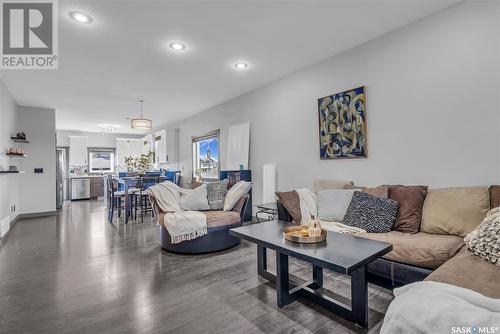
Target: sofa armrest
{"points": [[156, 208], [241, 206], [282, 212]]}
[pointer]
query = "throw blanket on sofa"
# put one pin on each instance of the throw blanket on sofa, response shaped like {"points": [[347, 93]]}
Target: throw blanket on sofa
{"points": [[432, 307], [309, 207], [181, 225]]}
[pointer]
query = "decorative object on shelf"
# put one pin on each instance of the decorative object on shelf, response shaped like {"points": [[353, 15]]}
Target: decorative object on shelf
{"points": [[15, 151], [140, 164], [141, 123], [21, 135], [300, 234], [342, 125], [12, 168]]}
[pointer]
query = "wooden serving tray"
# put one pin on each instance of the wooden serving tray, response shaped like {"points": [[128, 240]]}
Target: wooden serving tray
{"points": [[293, 233]]}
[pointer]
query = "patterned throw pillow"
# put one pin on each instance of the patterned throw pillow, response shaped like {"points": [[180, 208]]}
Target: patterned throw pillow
{"points": [[373, 214], [216, 194], [484, 241]]}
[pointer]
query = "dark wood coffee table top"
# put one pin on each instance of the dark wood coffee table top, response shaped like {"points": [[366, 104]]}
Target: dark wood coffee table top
{"points": [[342, 253]]}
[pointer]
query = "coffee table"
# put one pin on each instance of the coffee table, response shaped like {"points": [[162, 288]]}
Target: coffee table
{"points": [[342, 253]]}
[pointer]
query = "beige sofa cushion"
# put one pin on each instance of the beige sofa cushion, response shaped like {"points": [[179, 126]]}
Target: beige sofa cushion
{"points": [[470, 272], [420, 249], [221, 218], [214, 218], [455, 211], [330, 184]]}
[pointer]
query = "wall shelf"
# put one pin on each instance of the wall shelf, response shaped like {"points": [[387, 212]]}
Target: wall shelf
{"points": [[19, 140], [16, 155], [11, 172]]}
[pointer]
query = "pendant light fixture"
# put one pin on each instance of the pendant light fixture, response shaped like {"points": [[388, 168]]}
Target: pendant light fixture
{"points": [[141, 123]]}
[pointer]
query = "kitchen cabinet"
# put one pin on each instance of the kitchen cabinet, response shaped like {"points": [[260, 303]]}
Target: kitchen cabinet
{"points": [[160, 138], [127, 148], [96, 187], [165, 146], [78, 150], [147, 144], [172, 145]]}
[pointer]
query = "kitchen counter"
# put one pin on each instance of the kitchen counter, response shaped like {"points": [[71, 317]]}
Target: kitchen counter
{"points": [[88, 176]]}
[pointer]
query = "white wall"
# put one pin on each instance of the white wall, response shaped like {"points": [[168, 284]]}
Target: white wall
{"points": [[432, 108], [95, 139], [38, 191], [9, 183]]}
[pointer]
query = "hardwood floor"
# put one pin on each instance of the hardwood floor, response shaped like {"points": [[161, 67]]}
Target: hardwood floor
{"points": [[76, 273]]}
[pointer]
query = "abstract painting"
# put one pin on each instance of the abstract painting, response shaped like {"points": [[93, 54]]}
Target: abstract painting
{"points": [[342, 125]]}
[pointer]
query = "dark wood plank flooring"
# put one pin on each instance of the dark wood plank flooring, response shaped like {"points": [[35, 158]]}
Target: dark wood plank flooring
{"points": [[76, 273]]}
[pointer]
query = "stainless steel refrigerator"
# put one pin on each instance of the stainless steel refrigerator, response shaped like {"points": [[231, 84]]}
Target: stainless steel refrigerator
{"points": [[61, 177]]}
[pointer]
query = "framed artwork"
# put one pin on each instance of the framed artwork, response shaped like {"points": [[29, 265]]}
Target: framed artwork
{"points": [[342, 125]]}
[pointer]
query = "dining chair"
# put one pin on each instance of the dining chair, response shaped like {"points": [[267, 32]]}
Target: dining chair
{"points": [[141, 198], [116, 198]]}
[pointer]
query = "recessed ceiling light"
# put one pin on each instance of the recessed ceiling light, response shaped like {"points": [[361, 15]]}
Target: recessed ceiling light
{"points": [[241, 65], [177, 46], [80, 17]]}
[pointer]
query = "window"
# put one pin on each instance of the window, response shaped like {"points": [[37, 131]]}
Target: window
{"points": [[206, 156], [101, 161]]}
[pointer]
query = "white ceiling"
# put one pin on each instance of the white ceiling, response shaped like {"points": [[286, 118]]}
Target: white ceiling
{"points": [[123, 56]]}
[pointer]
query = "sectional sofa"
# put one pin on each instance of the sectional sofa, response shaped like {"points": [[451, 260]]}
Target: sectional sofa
{"points": [[435, 251]]}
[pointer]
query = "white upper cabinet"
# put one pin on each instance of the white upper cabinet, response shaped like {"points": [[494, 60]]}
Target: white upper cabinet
{"points": [[147, 144], [165, 146], [127, 148], [78, 150], [172, 145], [160, 146]]}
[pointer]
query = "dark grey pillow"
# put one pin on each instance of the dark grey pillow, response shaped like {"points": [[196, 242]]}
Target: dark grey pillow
{"points": [[373, 214], [216, 194]]}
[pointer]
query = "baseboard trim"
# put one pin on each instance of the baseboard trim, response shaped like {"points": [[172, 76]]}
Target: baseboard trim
{"points": [[14, 221], [37, 214]]}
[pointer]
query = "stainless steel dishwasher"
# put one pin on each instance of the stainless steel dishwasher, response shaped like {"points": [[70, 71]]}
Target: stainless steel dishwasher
{"points": [[80, 188]]}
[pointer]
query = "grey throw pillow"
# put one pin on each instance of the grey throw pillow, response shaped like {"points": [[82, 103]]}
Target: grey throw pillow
{"points": [[373, 214], [333, 203], [216, 194]]}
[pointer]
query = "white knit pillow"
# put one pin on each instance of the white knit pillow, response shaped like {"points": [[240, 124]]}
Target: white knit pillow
{"points": [[484, 241], [194, 199], [234, 194]]}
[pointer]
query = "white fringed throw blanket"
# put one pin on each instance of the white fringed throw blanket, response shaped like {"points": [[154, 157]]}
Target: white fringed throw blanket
{"points": [[309, 207], [181, 225], [432, 307]]}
